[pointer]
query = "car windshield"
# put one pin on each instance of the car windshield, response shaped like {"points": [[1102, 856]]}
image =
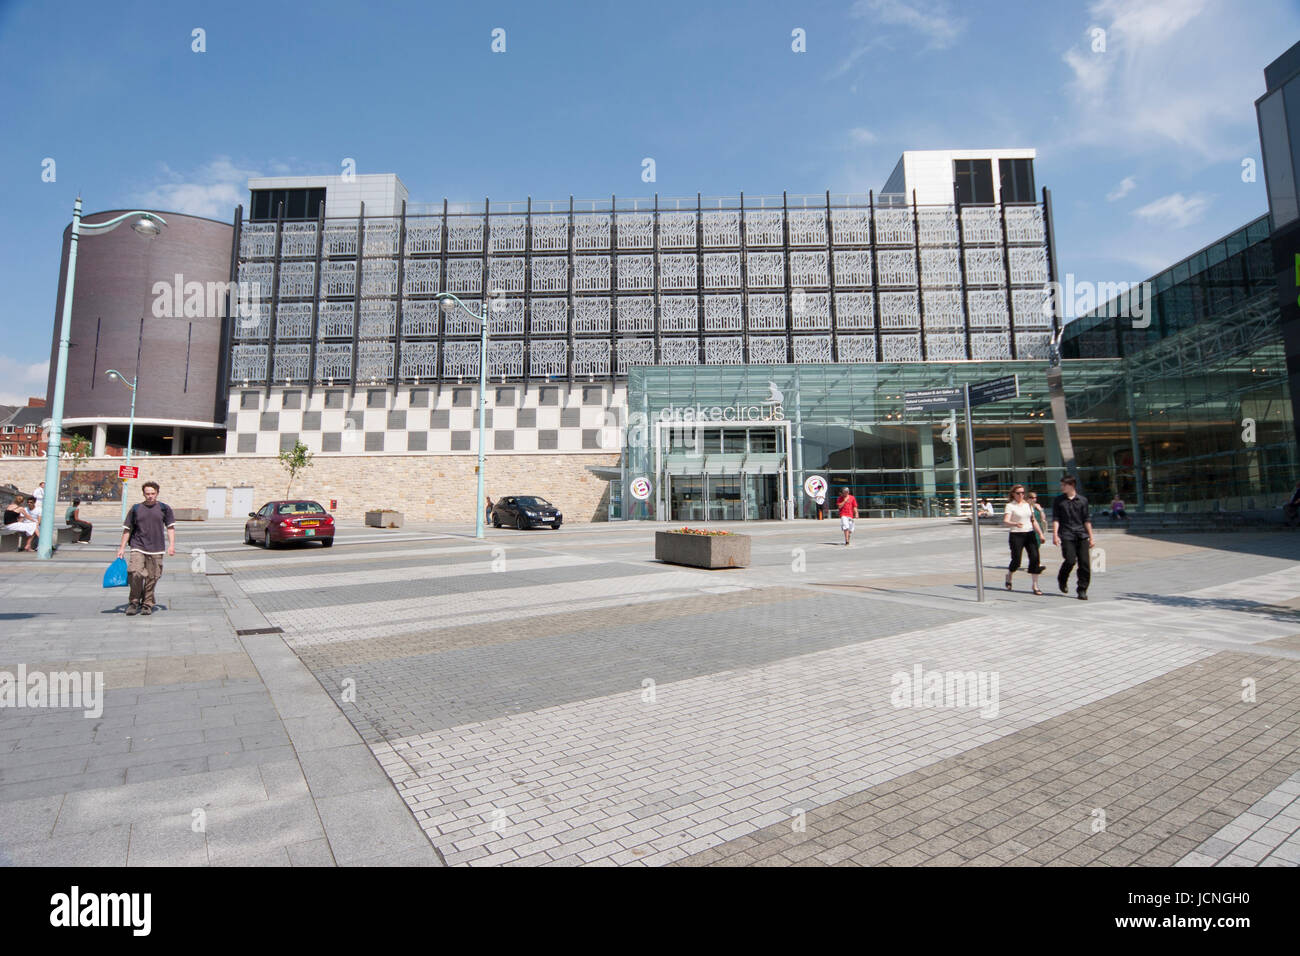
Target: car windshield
{"points": [[530, 502], [301, 508]]}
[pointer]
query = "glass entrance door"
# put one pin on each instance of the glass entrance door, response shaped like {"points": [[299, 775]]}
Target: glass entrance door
{"points": [[686, 501], [724, 502], [762, 497]]}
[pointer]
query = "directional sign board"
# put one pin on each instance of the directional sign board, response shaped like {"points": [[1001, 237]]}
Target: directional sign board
{"points": [[994, 390], [128, 471], [814, 486], [933, 399], [641, 488]]}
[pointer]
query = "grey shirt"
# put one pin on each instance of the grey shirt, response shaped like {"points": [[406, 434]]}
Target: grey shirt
{"points": [[148, 525]]}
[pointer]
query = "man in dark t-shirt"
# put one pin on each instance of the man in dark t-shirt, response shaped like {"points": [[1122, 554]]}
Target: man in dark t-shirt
{"points": [[1072, 533], [147, 525]]}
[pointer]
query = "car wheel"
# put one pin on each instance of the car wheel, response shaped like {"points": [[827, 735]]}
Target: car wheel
{"points": [[248, 538], [327, 542], [496, 521], [520, 523], [266, 541], [556, 526]]}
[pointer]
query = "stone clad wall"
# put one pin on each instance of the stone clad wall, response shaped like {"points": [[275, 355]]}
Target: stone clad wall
{"points": [[422, 487]]}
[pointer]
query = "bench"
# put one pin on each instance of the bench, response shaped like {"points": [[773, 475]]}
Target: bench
{"points": [[11, 540]]}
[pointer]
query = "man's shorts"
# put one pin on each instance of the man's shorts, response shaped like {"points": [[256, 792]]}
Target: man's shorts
{"points": [[846, 523]]}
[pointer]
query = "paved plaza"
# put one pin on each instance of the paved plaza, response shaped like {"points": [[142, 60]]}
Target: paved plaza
{"points": [[560, 698]]}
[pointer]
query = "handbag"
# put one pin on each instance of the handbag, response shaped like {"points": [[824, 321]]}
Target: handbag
{"points": [[115, 574]]}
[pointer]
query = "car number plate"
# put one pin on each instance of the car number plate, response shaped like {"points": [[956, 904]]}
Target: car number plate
{"points": [[310, 524], [309, 532]]}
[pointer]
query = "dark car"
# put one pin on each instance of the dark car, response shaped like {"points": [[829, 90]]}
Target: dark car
{"points": [[524, 512], [279, 521]]}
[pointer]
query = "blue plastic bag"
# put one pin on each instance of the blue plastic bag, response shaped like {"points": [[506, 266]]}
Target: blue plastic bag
{"points": [[115, 574]]}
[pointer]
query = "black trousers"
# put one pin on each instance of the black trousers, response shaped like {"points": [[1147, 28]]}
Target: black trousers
{"points": [[1024, 541], [83, 526], [1075, 551]]}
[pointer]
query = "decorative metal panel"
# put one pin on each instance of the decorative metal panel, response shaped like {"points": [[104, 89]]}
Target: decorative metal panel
{"points": [[334, 320], [943, 309], [679, 352], [1028, 266], [423, 236], [722, 313], [341, 237], [1033, 308], [768, 350], [551, 274], [1025, 224], [465, 275], [898, 310], [419, 318], [987, 308], [548, 316], [506, 275], [724, 350], [636, 313], [381, 237], [508, 233], [505, 316], [255, 277], [591, 231], [591, 274], [766, 313], [378, 318], [374, 361], [460, 359], [937, 225], [419, 360], [636, 230], [506, 358], [855, 310], [297, 280], [810, 310], [630, 352], [981, 224], [894, 227], [679, 313], [635, 273], [291, 363], [721, 228], [763, 227], [298, 240], [944, 347], [591, 315], [677, 271], [985, 346], [851, 227], [1033, 345], [254, 326], [809, 269], [940, 266], [457, 322], [293, 320], [896, 268], [338, 278], [257, 240], [422, 277], [550, 233], [856, 348], [333, 360], [901, 348], [676, 231], [985, 267], [549, 357], [766, 270], [810, 349], [591, 357], [248, 363], [722, 270], [379, 277], [807, 227], [852, 267], [464, 233]]}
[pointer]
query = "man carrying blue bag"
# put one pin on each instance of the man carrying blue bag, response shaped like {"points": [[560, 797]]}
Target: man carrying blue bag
{"points": [[147, 524]]}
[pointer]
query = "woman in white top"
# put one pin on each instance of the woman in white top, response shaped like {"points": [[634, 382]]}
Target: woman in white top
{"points": [[1021, 523]]}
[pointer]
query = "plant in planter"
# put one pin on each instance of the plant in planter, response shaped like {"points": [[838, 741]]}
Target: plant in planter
{"points": [[702, 548], [383, 518]]}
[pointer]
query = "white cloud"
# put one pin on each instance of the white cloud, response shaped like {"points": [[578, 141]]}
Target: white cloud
{"points": [[213, 190], [22, 380], [933, 19], [1175, 210], [862, 136], [1126, 186]]}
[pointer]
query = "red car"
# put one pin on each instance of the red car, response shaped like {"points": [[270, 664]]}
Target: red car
{"points": [[279, 521]]}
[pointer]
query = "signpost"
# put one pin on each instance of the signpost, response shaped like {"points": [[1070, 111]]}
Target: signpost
{"points": [[128, 471], [969, 396]]}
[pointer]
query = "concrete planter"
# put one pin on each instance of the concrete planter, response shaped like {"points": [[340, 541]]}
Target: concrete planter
{"points": [[707, 551], [383, 519], [190, 514]]}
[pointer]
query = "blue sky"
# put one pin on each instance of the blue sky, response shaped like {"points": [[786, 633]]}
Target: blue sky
{"points": [[1142, 144]]}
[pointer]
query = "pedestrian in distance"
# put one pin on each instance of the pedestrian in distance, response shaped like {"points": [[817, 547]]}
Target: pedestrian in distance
{"points": [[149, 531], [487, 511], [73, 520], [821, 506], [848, 509], [1117, 511], [1022, 535], [1072, 533], [1039, 516], [1291, 510]]}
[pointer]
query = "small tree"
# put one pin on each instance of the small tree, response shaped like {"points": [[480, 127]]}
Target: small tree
{"points": [[294, 462], [76, 448]]}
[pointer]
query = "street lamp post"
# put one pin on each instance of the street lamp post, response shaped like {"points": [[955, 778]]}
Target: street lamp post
{"points": [[147, 225], [449, 302], [130, 429]]}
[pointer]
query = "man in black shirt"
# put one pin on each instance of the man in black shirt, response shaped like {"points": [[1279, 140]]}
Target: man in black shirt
{"points": [[149, 531], [1072, 533]]}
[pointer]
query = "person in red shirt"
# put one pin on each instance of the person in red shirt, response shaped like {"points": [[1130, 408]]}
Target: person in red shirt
{"points": [[848, 506]]}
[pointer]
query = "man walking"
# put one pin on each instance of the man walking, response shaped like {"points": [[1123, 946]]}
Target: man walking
{"points": [[1072, 533], [147, 524], [848, 507]]}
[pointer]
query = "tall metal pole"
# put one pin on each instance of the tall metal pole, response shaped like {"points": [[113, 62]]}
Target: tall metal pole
{"points": [[130, 435], [974, 505], [482, 422], [54, 444]]}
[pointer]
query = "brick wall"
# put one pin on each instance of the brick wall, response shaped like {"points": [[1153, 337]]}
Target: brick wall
{"points": [[422, 487]]}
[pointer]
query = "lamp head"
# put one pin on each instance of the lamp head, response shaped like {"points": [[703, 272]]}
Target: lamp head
{"points": [[146, 227]]}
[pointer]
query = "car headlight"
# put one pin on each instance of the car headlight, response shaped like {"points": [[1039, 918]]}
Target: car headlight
{"points": [[531, 514]]}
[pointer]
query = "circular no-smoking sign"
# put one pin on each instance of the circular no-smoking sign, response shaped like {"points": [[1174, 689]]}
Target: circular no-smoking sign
{"points": [[641, 488], [815, 486]]}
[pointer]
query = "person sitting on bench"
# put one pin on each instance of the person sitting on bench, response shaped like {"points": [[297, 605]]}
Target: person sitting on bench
{"points": [[18, 518], [73, 520]]}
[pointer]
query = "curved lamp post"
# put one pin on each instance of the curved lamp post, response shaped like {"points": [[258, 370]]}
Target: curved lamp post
{"points": [[449, 303], [147, 225], [130, 429]]}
